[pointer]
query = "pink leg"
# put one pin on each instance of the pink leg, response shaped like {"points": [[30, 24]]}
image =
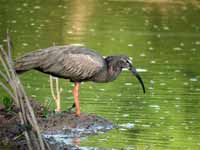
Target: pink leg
{"points": [[76, 99]]}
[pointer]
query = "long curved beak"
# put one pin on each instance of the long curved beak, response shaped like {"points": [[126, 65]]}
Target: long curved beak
{"points": [[134, 71]]}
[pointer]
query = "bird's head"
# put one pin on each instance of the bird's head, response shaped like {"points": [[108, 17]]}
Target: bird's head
{"points": [[119, 62]]}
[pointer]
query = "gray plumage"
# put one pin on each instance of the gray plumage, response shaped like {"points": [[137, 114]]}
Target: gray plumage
{"points": [[75, 63], [69, 62]]}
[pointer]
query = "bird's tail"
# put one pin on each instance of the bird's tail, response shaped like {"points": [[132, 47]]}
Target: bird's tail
{"points": [[27, 62]]}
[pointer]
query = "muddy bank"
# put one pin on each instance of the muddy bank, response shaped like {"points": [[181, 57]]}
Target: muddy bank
{"points": [[56, 125]]}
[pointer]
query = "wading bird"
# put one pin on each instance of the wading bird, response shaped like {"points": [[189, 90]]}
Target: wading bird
{"points": [[78, 64]]}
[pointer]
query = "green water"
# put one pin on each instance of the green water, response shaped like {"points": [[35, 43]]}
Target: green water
{"points": [[162, 37]]}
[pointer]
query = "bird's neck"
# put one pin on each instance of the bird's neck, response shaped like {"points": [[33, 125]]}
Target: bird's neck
{"points": [[108, 74], [112, 73]]}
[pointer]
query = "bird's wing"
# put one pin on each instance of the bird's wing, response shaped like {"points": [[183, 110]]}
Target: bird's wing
{"points": [[75, 63]]}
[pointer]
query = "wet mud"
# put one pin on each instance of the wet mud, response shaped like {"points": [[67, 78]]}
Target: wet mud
{"points": [[61, 130]]}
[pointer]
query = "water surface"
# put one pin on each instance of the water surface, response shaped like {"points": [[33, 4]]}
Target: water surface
{"points": [[163, 39]]}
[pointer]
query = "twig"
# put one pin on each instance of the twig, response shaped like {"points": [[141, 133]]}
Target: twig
{"points": [[16, 91], [9, 44], [51, 87], [3, 63], [7, 90], [57, 97]]}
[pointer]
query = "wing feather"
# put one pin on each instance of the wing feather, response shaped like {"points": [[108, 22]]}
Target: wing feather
{"points": [[72, 62]]}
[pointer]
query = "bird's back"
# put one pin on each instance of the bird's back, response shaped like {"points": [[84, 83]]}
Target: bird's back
{"points": [[69, 61]]}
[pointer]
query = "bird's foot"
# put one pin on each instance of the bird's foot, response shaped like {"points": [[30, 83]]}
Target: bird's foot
{"points": [[78, 113], [85, 116]]}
